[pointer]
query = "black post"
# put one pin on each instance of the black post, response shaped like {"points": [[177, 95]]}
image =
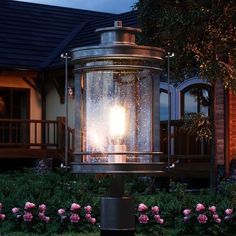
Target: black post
{"points": [[117, 211]]}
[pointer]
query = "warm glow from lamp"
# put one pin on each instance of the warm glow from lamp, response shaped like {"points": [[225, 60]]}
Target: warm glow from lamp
{"points": [[117, 122]]}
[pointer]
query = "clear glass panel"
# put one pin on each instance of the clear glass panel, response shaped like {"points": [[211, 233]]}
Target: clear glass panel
{"points": [[117, 115]]}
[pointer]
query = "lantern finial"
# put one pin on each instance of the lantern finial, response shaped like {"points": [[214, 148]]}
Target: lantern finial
{"points": [[118, 23]]}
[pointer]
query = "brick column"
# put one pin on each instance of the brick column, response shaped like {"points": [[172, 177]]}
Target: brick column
{"points": [[219, 123], [232, 126]]}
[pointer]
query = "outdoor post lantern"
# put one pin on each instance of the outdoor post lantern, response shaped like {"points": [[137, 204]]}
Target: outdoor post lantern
{"points": [[117, 120]]}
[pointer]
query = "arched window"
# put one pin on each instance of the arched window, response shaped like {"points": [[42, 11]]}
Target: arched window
{"points": [[163, 105], [196, 99]]}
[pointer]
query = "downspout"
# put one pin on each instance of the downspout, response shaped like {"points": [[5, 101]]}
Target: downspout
{"points": [[213, 166]]}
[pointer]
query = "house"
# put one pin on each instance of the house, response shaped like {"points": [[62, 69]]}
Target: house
{"points": [[32, 81]]}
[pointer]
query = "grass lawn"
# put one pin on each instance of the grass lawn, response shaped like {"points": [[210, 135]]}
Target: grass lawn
{"points": [[168, 232], [66, 234]]}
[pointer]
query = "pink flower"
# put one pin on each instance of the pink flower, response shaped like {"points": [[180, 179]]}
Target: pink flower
{"points": [[15, 210], [142, 207], [88, 209], [212, 209], [215, 216], [2, 216], [186, 212], [47, 219], [218, 220], [155, 209], [74, 218], [228, 211], [61, 212], [41, 216], [202, 219], [143, 219], [157, 217], [42, 208], [200, 207], [92, 220], [160, 221], [29, 205], [75, 207], [88, 216], [27, 216]]}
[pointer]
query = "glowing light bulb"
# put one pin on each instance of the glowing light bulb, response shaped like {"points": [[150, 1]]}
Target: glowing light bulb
{"points": [[117, 122], [117, 128]]}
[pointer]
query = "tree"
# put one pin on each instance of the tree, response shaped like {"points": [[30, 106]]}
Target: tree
{"points": [[201, 33]]}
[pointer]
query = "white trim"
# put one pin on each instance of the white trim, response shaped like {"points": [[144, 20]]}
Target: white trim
{"points": [[164, 86]]}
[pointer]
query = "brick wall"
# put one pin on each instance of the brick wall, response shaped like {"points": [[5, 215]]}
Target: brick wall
{"points": [[232, 126], [219, 123]]}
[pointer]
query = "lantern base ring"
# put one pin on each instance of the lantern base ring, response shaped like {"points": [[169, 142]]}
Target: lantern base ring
{"points": [[159, 168], [116, 153]]}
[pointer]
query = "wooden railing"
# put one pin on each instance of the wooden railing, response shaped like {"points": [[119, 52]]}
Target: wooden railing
{"points": [[181, 142], [50, 134], [17, 132], [34, 138]]}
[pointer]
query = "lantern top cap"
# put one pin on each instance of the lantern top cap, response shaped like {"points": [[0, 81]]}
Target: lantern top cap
{"points": [[118, 42], [118, 34]]}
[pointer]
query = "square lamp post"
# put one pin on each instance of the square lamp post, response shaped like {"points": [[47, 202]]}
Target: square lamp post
{"points": [[117, 118]]}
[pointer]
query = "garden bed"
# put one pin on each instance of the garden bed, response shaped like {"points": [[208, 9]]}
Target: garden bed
{"points": [[58, 203]]}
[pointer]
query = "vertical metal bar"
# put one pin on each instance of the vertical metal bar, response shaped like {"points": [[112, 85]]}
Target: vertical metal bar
{"points": [[169, 111], [156, 115], [66, 57], [169, 55]]}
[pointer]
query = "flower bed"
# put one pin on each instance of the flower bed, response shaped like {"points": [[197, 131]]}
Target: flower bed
{"points": [[205, 221], [60, 203]]}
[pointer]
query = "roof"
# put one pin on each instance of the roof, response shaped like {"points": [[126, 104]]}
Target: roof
{"points": [[33, 35]]}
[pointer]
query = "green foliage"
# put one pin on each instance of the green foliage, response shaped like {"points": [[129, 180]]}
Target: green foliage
{"points": [[198, 126], [202, 35]]}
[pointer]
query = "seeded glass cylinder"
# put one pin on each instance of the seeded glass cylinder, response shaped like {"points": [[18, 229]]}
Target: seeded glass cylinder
{"points": [[117, 115]]}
